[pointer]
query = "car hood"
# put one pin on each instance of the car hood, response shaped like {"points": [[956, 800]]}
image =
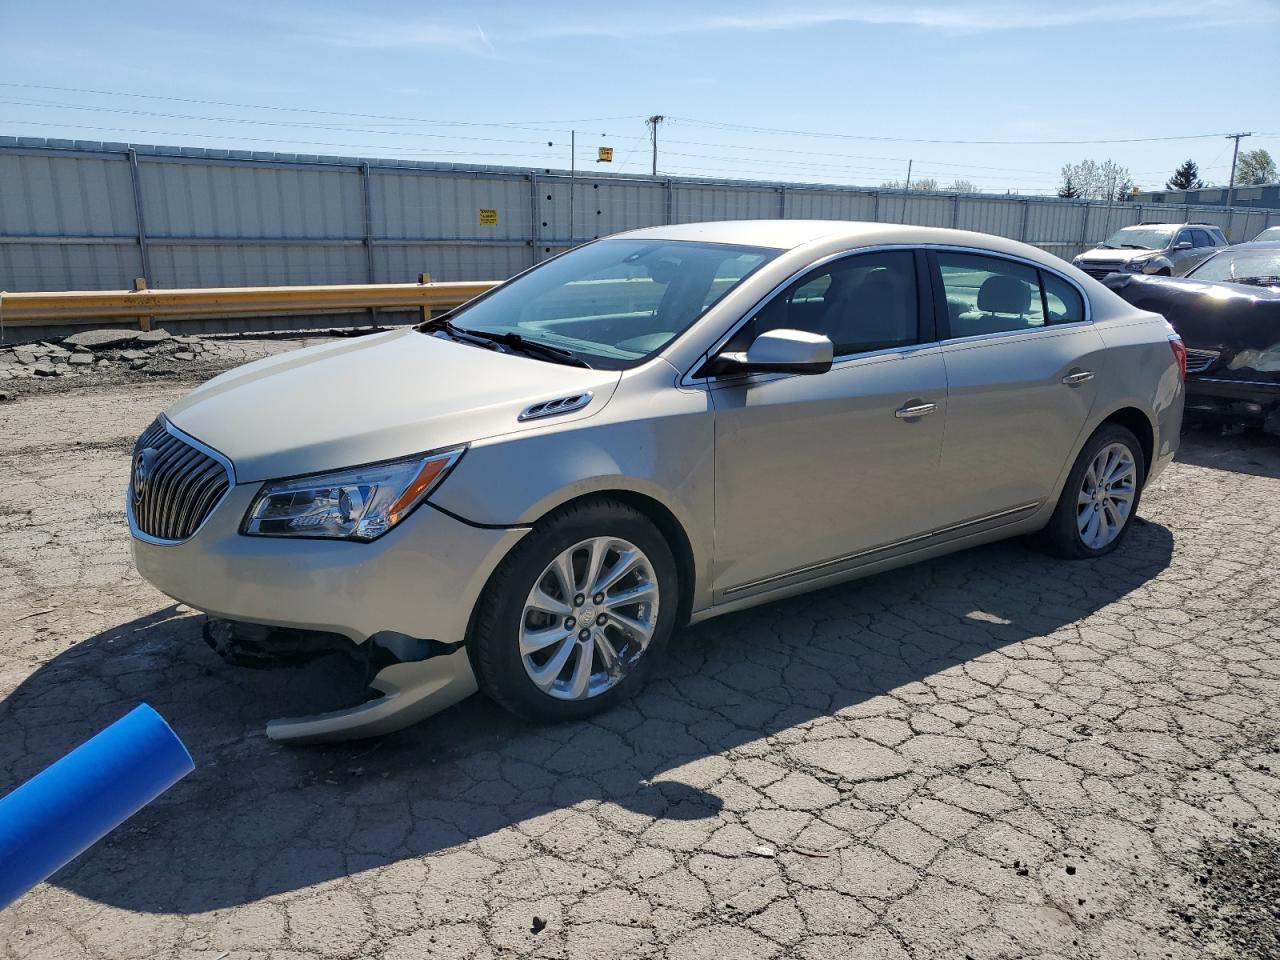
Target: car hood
{"points": [[373, 398], [1114, 256]]}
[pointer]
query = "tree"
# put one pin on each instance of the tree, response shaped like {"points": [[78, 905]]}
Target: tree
{"points": [[1255, 167], [962, 186], [1068, 189], [1186, 177], [1091, 180], [924, 183]]}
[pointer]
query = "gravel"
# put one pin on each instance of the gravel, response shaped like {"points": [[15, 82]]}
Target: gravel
{"points": [[989, 755]]}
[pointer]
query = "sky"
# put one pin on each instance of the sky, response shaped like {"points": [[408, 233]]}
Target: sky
{"points": [[838, 92]]}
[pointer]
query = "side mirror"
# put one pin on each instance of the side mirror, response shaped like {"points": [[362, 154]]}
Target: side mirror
{"points": [[1184, 245], [781, 351]]}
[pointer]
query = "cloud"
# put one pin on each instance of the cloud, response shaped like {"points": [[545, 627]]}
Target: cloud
{"points": [[379, 34], [959, 17]]}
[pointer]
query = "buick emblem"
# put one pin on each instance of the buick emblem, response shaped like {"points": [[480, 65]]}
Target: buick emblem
{"points": [[143, 466]]}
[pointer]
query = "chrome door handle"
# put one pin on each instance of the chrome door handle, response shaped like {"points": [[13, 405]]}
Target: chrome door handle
{"points": [[1080, 376], [916, 410]]}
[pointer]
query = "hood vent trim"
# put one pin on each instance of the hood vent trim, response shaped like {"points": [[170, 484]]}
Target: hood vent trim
{"points": [[554, 408]]}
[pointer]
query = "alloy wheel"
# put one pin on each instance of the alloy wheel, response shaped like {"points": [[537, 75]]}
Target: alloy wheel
{"points": [[589, 618], [1106, 496]]}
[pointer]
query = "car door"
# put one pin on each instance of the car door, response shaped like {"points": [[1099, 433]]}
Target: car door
{"points": [[1184, 260], [1020, 358], [814, 473], [1204, 247]]}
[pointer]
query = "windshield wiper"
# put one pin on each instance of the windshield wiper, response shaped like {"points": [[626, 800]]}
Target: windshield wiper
{"points": [[534, 348], [512, 341], [1258, 281], [1134, 246], [465, 336]]}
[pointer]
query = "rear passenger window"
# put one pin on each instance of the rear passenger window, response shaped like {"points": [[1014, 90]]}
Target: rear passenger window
{"points": [[1064, 301], [1201, 238], [989, 295]]}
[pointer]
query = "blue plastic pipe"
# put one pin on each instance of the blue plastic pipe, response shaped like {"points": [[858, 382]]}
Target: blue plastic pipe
{"points": [[65, 809]]}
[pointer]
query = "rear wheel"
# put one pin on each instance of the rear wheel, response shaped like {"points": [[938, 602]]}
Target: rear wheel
{"points": [[574, 618], [1100, 497]]}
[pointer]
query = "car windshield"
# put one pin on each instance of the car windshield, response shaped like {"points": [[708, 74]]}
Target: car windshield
{"points": [[1143, 238], [1241, 265], [1271, 233], [613, 303]]}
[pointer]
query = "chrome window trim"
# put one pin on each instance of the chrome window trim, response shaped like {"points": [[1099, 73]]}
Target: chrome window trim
{"points": [[209, 452], [689, 380], [979, 338]]}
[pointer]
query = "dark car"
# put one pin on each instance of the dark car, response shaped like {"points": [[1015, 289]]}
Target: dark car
{"points": [[1227, 311]]}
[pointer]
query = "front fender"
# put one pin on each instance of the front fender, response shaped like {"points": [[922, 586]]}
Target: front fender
{"points": [[666, 456]]}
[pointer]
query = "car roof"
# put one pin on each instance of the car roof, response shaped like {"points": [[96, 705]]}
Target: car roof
{"points": [[790, 234], [1256, 245]]}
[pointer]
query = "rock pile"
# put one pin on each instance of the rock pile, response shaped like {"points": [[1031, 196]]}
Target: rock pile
{"points": [[99, 351]]}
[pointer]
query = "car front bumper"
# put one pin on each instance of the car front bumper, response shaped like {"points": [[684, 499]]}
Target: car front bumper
{"points": [[422, 579]]}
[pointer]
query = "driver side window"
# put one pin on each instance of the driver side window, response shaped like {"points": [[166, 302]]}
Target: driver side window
{"points": [[863, 302]]}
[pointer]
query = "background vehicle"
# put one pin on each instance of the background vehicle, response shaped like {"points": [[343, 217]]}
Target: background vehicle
{"points": [[1271, 233], [1162, 249], [1227, 311], [530, 494]]}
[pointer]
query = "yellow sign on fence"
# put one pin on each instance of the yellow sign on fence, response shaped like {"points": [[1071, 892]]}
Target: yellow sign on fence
{"points": [[488, 218], [604, 155]]}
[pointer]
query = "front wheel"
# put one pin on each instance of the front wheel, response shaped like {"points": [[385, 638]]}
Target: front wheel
{"points": [[574, 618], [1100, 498]]}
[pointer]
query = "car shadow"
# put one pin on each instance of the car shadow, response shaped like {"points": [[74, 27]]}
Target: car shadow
{"points": [[1207, 443], [257, 818]]}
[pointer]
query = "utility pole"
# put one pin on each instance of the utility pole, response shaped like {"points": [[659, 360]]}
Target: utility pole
{"points": [[652, 124], [1231, 185], [908, 186]]}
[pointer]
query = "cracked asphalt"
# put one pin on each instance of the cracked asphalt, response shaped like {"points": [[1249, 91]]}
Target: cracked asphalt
{"points": [[989, 755]]}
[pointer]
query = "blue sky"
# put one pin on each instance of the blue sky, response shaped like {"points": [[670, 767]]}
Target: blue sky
{"points": [[495, 82]]}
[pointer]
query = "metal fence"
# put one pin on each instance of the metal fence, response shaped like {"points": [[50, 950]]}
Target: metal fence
{"points": [[78, 215]]}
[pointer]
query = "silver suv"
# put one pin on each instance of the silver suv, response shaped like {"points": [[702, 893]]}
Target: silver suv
{"points": [[1161, 249]]}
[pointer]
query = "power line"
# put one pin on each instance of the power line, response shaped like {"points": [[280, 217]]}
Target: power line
{"points": [[311, 110], [428, 151], [93, 108], [856, 136]]}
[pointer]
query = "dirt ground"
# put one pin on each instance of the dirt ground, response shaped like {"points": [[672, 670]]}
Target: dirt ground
{"points": [[989, 755]]}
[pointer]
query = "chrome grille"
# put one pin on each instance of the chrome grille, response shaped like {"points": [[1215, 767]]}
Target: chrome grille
{"points": [[173, 486], [1198, 361], [1099, 272]]}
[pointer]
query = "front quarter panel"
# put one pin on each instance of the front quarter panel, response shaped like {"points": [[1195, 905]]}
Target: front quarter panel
{"points": [[654, 439]]}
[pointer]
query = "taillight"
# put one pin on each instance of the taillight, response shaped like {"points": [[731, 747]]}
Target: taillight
{"points": [[1180, 354]]}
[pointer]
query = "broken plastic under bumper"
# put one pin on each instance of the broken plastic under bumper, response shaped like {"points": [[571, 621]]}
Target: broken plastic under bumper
{"points": [[410, 692], [421, 580]]}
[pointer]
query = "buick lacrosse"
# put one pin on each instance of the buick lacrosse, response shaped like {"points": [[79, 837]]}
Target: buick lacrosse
{"points": [[529, 494]]}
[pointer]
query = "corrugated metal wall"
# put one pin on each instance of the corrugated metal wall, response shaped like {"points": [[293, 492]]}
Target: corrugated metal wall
{"points": [[88, 215]]}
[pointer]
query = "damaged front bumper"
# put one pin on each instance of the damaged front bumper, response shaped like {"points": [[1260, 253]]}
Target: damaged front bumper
{"points": [[421, 580]]}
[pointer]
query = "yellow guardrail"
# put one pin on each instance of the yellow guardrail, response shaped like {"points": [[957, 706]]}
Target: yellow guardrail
{"points": [[78, 306]]}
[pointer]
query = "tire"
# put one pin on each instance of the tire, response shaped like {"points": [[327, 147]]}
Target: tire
{"points": [[1063, 536], [508, 617]]}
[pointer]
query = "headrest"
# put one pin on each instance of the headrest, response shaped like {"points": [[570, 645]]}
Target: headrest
{"points": [[1001, 294]]}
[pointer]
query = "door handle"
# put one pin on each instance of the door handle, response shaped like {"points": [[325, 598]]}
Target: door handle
{"points": [[1080, 376], [915, 410]]}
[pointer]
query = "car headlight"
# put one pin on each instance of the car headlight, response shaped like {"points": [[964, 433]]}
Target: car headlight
{"points": [[361, 503]]}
